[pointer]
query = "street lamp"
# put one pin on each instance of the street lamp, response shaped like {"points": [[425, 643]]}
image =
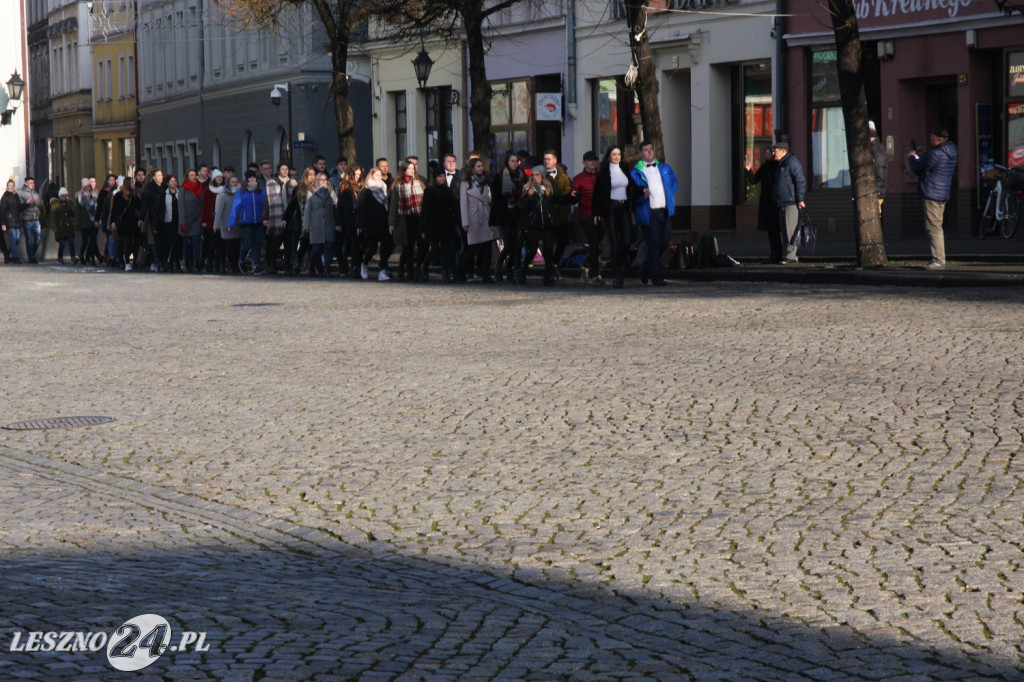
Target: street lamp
{"points": [[275, 98], [15, 89], [422, 64]]}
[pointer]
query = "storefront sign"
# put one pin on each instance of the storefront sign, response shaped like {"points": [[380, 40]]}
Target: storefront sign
{"points": [[549, 106], [917, 9], [890, 13], [1015, 77], [1015, 135]]}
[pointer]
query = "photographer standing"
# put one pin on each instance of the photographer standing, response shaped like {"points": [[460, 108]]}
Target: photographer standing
{"points": [[790, 190], [936, 169]]}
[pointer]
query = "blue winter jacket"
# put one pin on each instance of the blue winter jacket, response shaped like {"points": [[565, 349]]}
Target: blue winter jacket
{"points": [[936, 170], [668, 181], [790, 182], [247, 208]]}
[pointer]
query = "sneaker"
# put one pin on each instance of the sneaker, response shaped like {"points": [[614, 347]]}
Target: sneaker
{"points": [[152, 267], [364, 272], [384, 276], [471, 280], [598, 281], [935, 265], [127, 267]]}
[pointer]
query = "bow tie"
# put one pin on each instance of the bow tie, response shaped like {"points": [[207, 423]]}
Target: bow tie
{"points": [[650, 165], [449, 174]]}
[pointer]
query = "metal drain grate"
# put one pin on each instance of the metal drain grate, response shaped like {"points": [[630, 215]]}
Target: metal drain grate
{"points": [[57, 423]]}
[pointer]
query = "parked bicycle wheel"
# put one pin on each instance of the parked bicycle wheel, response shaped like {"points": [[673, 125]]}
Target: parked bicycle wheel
{"points": [[987, 216], [1011, 214]]}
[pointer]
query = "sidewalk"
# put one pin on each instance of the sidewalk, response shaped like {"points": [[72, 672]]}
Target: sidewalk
{"points": [[970, 262]]}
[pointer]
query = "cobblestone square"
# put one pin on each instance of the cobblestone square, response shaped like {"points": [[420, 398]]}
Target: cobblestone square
{"points": [[353, 480]]}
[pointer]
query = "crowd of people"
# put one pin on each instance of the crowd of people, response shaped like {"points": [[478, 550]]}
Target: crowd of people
{"points": [[465, 223]]}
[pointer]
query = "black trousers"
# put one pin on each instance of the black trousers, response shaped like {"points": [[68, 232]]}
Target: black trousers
{"points": [[413, 241], [621, 235], [594, 231], [477, 259], [89, 247], [384, 243], [232, 251], [213, 250], [274, 242], [511, 254], [560, 243]]}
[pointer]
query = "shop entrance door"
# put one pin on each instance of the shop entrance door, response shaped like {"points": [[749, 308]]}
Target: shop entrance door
{"points": [[940, 106]]}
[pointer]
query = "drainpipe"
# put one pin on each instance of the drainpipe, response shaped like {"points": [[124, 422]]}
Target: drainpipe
{"points": [[138, 94], [781, 78], [570, 29]]}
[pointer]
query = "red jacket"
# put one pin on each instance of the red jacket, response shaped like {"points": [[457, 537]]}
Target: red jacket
{"points": [[583, 185]]}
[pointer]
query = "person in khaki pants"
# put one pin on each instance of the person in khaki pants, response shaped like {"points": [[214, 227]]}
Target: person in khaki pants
{"points": [[937, 171]]}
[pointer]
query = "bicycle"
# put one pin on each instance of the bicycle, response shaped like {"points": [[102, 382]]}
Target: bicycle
{"points": [[1002, 209]]}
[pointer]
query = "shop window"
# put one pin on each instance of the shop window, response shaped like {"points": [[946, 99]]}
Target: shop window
{"points": [[401, 124], [616, 114], [511, 118], [440, 138], [758, 121], [1015, 110], [830, 166]]}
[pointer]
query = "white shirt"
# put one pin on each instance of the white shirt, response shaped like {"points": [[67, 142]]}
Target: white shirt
{"points": [[619, 183], [168, 206], [655, 186]]}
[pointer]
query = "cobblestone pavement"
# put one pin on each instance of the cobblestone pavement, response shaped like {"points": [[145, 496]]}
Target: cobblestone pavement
{"points": [[340, 480]]}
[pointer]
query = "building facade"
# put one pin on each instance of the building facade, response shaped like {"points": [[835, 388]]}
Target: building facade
{"points": [[115, 113], [959, 65], [70, 147], [14, 131], [557, 78], [205, 86]]}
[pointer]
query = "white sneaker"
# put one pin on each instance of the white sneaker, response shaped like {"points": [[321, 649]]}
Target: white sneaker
{"points": [[364, 271], [384, 276], [127, 267], [152, 267]]}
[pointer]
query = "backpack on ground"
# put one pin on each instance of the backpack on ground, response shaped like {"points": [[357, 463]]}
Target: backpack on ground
{"points": [[706, 251]]}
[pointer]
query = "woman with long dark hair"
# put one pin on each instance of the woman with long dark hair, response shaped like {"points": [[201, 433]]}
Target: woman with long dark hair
{"points": [[347, 241], [405, 207], [506, 191], [126, 221], [475, 209], [612, 191]]}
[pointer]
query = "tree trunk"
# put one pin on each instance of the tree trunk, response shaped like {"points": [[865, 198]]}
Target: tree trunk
{"points": [[647, 74], [868, 230], [480, 89], [339, 87]]}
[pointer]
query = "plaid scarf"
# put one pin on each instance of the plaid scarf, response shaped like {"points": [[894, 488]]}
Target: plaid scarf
{"points": [[279, 193], [410, 197]]}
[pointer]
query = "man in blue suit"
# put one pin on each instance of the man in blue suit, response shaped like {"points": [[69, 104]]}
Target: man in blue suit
{"points": [[655, 206]]}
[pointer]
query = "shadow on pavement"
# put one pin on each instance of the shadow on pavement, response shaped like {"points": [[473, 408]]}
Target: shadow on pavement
{"points": [[348, 615]]}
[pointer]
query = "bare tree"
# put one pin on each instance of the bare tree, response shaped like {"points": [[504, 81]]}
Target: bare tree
{"points": [[340, 18], [643, 77], [445, 18], [868, 231]]}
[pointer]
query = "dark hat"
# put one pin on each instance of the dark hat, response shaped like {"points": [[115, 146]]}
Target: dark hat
{"points": [[590, 156], [251, 174], [940, 132], [782, 145]]}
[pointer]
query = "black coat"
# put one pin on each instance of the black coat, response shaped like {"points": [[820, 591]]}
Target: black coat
{"points": [[10, 210], [125, 213], [601, 204], [440, 215], [767, 210], [371, 215]]}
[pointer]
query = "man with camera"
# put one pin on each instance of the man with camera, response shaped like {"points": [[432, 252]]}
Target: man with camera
{"points": [[936, 170]]}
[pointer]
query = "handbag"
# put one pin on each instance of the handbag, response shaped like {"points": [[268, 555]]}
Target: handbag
{"points": [[805, 238]]}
